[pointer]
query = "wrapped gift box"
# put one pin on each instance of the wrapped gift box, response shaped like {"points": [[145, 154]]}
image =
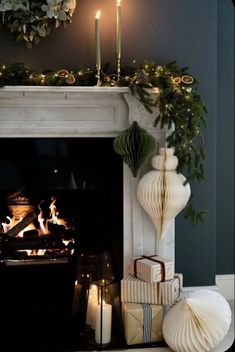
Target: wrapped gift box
{"points": [[153, 268], [134, 290], [142, 323]]}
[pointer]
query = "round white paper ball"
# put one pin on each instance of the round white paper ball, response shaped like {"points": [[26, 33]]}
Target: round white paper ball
{"points": [[198, 322]]}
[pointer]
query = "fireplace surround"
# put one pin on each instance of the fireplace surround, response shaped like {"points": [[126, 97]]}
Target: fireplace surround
{"points": [[90, 112]]}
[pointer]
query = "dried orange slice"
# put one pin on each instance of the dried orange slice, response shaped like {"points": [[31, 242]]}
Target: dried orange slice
{"points": [[176, 80], [187, 79]]}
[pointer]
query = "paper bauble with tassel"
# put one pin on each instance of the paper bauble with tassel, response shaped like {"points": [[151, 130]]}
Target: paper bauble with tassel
{"points": [[162, 192], [134, 145], [197, 323]]}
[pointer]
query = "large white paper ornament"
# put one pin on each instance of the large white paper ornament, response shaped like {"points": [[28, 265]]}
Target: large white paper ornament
{"points": [[197, 323], [161, 192]]}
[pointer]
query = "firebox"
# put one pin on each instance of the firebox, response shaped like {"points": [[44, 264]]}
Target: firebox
{"points": [[61, 208]]}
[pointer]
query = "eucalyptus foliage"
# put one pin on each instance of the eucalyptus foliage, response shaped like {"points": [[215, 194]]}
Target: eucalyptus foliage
{"points": [[31, 20]]}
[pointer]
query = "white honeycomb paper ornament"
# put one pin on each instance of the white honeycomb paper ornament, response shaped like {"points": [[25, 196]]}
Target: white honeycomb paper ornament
{"points": [[161, 192], [197, 323]]}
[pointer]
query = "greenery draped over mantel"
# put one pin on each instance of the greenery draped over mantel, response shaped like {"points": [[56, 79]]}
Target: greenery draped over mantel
{"points": [[179, 103]]}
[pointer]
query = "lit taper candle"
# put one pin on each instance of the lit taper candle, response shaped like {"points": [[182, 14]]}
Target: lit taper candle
{"points": [[97, 38], [119, 28]]}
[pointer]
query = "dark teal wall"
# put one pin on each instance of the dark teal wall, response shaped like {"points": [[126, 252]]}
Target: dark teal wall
{"points": [[166, 30], [225, 140]]}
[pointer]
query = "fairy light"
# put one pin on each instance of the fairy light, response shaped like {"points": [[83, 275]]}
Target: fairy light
{"points": [[42, 78]]}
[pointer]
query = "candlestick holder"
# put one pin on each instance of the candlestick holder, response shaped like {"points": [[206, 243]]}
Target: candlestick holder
{"points": [[98, 75], [118, 66]]}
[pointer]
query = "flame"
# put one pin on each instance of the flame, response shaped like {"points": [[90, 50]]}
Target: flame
{"points": [[12, 221], [41, 228], [41, 220], [7, 226], [97, 15], [54, 213]]}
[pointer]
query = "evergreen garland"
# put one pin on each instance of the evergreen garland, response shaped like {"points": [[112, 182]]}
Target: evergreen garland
{"points": [[181, 109], [179, 103]]}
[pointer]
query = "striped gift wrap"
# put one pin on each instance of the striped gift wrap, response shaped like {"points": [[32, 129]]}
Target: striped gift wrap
{"points": [[134, 290]]}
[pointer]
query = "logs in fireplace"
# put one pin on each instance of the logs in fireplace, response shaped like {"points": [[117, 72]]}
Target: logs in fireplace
{"points": [[28, 238]]}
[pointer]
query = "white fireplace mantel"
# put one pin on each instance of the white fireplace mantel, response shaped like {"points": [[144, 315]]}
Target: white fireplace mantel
{"points": [[33, 111]]}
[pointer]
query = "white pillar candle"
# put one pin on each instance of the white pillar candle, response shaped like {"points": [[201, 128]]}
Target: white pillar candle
{"points": [[92, 299], [76, 297], [97, 38], [119, 28], [106, 323], [94, 307]]}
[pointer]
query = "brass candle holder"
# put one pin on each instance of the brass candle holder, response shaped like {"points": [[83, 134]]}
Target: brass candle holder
{"points": [[118, 66], [98, 75]]}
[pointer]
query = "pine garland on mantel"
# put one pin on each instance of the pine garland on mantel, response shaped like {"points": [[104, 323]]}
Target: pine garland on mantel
{"points": [[179, 104]]}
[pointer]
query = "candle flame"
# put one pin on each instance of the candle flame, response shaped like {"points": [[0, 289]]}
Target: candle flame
{"points": [[97, 15], [119, 2], [103, 303]]}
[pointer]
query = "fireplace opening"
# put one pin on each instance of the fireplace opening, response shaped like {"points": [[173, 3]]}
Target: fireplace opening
{"points": [[61, 216]]}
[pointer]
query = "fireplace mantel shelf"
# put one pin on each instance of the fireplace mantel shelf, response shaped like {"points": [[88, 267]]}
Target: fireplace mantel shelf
{"points": [[75, 112], [78, 89]]}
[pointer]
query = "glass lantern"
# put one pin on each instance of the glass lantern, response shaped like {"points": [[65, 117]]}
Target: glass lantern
{"points": [[103, 316]]}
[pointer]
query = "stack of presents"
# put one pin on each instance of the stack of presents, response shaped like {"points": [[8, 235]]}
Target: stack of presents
{"points": [[146, 294]]}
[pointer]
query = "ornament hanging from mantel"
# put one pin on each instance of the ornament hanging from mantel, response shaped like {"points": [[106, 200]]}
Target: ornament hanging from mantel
{"points": [[134, 145], [162, 192]]}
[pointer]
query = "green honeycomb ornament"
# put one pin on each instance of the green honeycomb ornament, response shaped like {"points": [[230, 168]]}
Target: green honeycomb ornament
{"points": [[134, 145]]}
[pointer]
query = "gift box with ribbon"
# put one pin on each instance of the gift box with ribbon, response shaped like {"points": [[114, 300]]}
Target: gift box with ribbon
{"points": [[142, 323], [153, 268], [134, 290]]}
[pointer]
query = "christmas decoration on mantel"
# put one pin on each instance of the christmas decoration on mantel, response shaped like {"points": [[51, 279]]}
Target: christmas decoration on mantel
{"points": [[161, 192], [179, 106], [31, 20], [134, 145]]}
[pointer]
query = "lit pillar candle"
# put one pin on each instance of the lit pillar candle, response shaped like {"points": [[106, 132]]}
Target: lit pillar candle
{"points": [[97, 38], [92, 301], [94, 306], [76, 297], [106, 323], [119, 28]]}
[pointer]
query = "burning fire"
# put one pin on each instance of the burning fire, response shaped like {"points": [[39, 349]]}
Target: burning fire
{"points": [[44, 227]]}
